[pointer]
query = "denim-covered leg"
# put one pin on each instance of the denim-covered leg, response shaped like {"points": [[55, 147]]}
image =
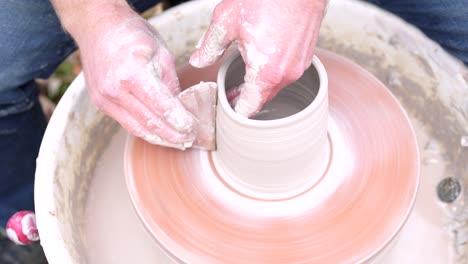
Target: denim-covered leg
{"points": [[32, 45], [444, 21], [22, 124]]}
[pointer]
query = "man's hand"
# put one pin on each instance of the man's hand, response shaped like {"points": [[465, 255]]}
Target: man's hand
{"points": [[129, 71], [276, 39]]}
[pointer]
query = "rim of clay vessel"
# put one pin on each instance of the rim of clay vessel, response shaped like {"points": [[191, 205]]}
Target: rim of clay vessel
{"points": [[280, 158]]}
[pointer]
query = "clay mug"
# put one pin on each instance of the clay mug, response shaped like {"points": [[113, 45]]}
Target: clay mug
{"points": [[283, 150]]}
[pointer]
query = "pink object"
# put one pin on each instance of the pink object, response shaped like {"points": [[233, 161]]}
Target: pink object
{"points": [[21, 228]]}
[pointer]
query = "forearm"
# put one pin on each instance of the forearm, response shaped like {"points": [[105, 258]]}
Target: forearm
{"points": [[78, 17]]}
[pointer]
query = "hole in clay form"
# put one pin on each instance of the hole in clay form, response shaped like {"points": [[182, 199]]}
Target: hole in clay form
{"points": [[291, 100]]}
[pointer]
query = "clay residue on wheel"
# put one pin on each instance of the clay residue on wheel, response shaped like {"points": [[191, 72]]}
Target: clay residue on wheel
{"points": [[430, 84], [403, 62], [87, 135]]}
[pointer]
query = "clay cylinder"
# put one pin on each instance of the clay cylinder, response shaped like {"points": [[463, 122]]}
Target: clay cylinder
{"points": [[281, 151]]}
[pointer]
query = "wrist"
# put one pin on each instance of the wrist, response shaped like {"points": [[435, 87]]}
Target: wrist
{"points": [[90, 19]]}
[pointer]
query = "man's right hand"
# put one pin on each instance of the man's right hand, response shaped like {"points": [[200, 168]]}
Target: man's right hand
{"points": [[276, 39]]}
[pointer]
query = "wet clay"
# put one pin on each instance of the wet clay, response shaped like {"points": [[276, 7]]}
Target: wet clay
{"points": [[200, 100], [350, 215], [274, 158]]}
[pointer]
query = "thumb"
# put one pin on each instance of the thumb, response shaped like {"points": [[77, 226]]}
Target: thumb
{"points": [[211, 46], [251, 100]]}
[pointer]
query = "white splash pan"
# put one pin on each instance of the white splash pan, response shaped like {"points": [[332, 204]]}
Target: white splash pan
{"points": [[430, 84]]}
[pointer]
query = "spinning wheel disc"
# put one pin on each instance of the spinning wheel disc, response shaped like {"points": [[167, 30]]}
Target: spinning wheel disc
{"points": [[351, 214]]}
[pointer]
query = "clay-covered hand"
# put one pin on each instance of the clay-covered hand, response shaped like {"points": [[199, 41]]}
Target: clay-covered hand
{"points": [[131, 76], [276, 39]]}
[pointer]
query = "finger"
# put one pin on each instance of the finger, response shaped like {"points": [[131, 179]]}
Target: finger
{"points": [[253, 92], [157, 97], [141, 124], [152, 123], [308, 59], [211, 46], [251, 99], [165, 61], [232, 95], [169, 77]]}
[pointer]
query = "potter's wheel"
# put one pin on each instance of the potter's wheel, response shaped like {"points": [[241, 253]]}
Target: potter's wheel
{"points": [[87, 216], [353, 212]]}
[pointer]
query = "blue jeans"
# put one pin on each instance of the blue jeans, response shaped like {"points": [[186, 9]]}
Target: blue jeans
{"points": [[32, 45], [444, 21]]}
